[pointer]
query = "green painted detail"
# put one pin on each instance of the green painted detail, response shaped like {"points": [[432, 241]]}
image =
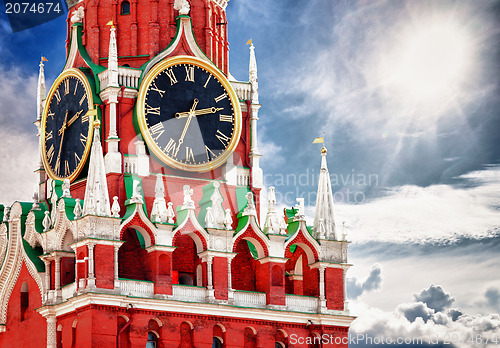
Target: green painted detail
{"points": [[2, 207], [290, 213], [182, 215], [293, 247], [141, 239], [292, 228], [242, 222], [205, 202], [129, 189], [39, 215], [253, 250], [123, 57], [241, 198], [96, 69]]}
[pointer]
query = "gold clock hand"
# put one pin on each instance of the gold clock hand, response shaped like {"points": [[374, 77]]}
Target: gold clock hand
{"points": [[198, 112], [61, 132], [191, 115], [74, 118]]}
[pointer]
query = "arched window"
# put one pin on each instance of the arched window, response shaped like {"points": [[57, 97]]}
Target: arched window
{"points": [[125, 8], [152, 340], [279, 345], [25, 301], [217, 343]]}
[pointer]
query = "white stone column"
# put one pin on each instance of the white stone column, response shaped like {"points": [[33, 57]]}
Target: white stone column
{"points": [[51, 332], [210, 285], [113, 158], [230, 292], [322, 298], [346, 304], [57, 278], [47, 275], [116, 247], [91, 277]]}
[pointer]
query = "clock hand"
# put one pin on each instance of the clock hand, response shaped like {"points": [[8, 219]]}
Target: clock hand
{"points": [[61, 132], [74, 118], [191, 115], [198, 112]]}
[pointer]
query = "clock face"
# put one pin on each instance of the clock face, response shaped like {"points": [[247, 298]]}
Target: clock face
{"points": [[189, 114], [67, 126]]}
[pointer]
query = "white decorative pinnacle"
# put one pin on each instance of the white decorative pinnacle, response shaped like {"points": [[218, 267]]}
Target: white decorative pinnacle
{"points": [[115, 208], [228, 220], [66, 186], [136, 192], [77, 211], [170, 213], [188, 202], [96, 201], [113, 59], [282, 225], [35, 205], [250, 208], [252, 72], [209, 218], [272, 223], [217, 211], [324, 223], [77, 16], [46, 222], [53, 203], [182, 6], [159, 212], [6, 212], [40, 93], [300, 215]]}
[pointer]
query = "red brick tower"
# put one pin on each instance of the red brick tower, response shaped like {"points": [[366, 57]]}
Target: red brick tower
{"points": [[145, 228]]}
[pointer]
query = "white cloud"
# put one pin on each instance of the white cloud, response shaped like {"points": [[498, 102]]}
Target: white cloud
{"points": [[18, 147], [438, 213]]}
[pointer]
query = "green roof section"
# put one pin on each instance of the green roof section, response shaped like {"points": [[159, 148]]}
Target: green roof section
{"points": [[31, 252], [241, 199], [205, 202], [242, 222], [128, 179], [2, 207]]}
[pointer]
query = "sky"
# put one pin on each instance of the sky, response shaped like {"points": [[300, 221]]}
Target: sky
{"points": [[407, 93]]}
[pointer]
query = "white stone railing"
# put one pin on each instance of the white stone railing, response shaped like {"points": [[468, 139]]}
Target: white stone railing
{"points": [[138, 288], [242, 176], [68, 291], [250, 299], [299, 303], [243, 90], [126, 77], [189, 293]]}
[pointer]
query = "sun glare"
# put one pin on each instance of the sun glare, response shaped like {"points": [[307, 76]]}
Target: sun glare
{"points": [[431, 62]]}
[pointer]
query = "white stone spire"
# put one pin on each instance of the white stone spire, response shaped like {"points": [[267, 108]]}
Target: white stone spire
{"points": [[252, 72], [96, 200], [324, 223], [272, 223], [113, 59], [159, 213], [40, 93]]}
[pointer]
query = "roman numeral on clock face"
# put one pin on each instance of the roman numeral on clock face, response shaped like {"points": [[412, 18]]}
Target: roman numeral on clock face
{"points": [[83, 99], [57, 94], [48, 136], [209, 153], [66, 86], [76, 87], [171, 76], [157, 130], [189, 154], [83, 139], [77, 159], [224, 139], [170, 147], [156, 89], [219, 98], [50, 153], [226, 118], [66, 168], [189, 73], [152, 110]]}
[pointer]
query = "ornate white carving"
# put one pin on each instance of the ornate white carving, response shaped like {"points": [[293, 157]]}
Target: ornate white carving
{"points": [[170, 213], [188, 202], [32, 236], [216, 211], [115, 208], [6, 212], [250, 208], [78, 209], [228, 220], [96, 200], [300, 215], [113, 58], [136, 192], [182, 6], [324, 223], [36, 205], [159, 213], [209, 218], [66, 188], [273, 225], [78, 15], [46, 222]]}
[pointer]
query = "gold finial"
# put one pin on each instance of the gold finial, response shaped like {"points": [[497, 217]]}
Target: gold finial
{"points": [[323, 149], [97, 123]]}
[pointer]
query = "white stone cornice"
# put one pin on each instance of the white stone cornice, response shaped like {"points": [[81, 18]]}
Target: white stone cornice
{"points": [[167, 248], [223, 310], [94, 241], [273, 259], [205, 255], [324, 265]]}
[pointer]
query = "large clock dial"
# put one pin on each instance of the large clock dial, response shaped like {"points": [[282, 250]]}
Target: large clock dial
{"points": [[188, 114], [67, 125]]}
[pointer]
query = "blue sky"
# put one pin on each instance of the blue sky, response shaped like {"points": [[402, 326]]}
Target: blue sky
{"points": [[407, 93]]}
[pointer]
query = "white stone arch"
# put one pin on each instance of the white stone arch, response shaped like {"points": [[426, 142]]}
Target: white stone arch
{"points": [[200, 239], [140, 222], [62, 227], [252, 224], [31, 235], [302, 230]]}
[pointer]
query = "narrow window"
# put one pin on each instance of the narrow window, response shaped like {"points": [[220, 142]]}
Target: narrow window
{"points": [[217, 343], [25, 301], [125, 8], [152, 340]]}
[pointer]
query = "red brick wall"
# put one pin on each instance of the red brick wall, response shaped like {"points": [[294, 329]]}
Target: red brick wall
{"points": [[334, 288], [131, 258], [185, 258], [104, 266], [67, 270], [219, 274], [243, 268]]}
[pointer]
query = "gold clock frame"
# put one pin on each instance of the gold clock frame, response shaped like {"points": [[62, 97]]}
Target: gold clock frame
{"points": [[72, 72], [141, 116]]}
